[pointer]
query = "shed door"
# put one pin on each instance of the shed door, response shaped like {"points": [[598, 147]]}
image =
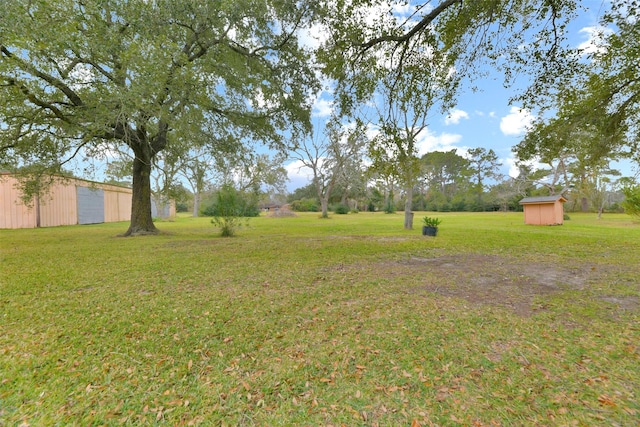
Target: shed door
{"points": [[90, 205]]}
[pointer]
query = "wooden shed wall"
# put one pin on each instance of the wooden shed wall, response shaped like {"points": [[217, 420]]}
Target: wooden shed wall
{"points": [[559, 212], [544, 213]]}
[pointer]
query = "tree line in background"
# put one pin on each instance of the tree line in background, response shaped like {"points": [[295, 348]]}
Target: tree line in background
{"points": [[448, 181], [180, 95]]}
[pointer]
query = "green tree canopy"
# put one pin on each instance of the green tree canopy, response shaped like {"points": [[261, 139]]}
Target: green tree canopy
{"points": [[82, 78], [518, 36], [445, 172], [416, 61], [595, 117]]}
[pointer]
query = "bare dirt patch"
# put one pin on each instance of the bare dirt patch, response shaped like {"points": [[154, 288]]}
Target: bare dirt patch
{"points": [[629, 303], [500, 280]]}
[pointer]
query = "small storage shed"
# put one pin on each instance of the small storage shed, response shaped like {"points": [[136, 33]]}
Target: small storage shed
{"points": [[544, 210]]}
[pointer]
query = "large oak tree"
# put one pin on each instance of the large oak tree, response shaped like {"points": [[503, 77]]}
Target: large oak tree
{"points": [[82, 78]]}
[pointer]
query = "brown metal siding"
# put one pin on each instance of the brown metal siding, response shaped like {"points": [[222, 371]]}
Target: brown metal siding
{"points": [[60, 205], [13, 213], [117, 204]]}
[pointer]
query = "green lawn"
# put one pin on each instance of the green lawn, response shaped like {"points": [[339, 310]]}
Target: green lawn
{"points": [[303, 321]]}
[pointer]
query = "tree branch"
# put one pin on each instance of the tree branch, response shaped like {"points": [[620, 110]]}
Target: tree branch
{"points": [[37, 101], [70, 94], [426, 20]]}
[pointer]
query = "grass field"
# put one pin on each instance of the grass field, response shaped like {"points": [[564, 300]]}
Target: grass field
{"points": [[302, 321]]}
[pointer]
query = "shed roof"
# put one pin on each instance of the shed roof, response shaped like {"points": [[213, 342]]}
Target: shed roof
{"points": [[543, 199], [70, 179]]}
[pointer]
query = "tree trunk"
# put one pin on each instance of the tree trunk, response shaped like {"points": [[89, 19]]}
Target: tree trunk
{"points": [[585, 204], [324, 203], [141, 220], [601, 209], [196, 204], [408, 215], [324, 197]]}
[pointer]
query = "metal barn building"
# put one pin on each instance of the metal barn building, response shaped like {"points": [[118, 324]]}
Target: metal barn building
{"points": [[69, 201]]}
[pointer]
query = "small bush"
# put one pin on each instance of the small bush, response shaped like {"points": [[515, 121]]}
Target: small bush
{"points": [[228, 225], [431, 221], [227, 200], [566, 217], [341, 209], [389, 208], [304, 205], [230, 210], [631, 203]]}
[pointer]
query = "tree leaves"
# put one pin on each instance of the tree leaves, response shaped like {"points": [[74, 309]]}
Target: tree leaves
{"points": [[145, 74]]}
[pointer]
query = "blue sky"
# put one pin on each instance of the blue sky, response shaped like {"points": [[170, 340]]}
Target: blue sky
{"points": [[481, 119]]}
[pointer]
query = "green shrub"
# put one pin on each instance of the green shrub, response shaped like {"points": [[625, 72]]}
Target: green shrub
{"points": [[228, 225], [230, 210], [389, 208], [431, 221], [229, 201], [615, 208], [631, 203], [304, 205], [341, 209]]}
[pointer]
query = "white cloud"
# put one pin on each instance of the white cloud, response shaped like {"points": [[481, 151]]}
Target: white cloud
{"points": [[534, 164], [299, 175], [322, 108], [372, 131], [595, 39], [516, 122], [455, 116], [259, 101], [513, 169], [314, 36], [403, 10], [428, 142]]}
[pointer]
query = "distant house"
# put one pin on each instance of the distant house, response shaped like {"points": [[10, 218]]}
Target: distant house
{"points": [[544, 210], [68, 201], [269, 207]]}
